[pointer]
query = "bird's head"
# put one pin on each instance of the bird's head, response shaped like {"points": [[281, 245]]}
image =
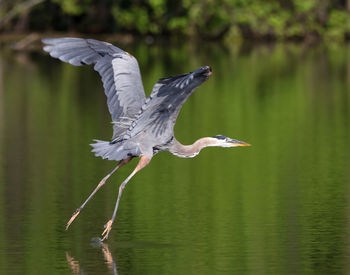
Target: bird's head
{"points": [[222, 141]]}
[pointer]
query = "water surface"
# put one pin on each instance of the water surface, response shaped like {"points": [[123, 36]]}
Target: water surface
{"points": [[278, 207]]}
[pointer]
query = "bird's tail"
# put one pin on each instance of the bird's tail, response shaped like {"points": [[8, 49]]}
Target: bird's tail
{"points": [[101, 148]]}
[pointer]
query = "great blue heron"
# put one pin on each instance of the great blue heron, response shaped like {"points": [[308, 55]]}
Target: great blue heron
{"points": [[142, 126]]}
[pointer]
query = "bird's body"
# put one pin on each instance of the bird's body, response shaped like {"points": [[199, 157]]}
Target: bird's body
{"points": [[142, 127], [152, 129]]}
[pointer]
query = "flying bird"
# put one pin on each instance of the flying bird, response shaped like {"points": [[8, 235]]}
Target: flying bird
{"points": [[142, 127]]}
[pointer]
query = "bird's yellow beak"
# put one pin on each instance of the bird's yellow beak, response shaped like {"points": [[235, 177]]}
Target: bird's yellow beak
{"points": [[241, 143]]}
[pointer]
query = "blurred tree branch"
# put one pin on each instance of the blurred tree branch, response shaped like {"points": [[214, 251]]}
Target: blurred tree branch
{"points": [[209, 19], [18, 9]]}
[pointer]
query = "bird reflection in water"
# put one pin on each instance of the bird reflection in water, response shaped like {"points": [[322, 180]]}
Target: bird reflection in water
{"points": [[107, 255], [73, 264], [109, 258]]}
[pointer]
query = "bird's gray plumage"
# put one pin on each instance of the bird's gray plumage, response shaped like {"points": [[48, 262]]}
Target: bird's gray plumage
{"points": [[119, 71], [154, 126], [159, 113], [140, 124]]}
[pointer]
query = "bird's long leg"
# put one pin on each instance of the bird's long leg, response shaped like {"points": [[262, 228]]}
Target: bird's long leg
{"points": [[144, 160], [99, 185]]}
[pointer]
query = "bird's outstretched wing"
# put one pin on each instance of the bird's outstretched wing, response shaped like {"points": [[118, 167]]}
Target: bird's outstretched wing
{"points": [[118, 69], [159, 113]]}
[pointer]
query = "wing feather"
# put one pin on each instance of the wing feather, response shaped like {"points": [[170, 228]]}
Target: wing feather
{"points": [[159, 112], [119, 71]]}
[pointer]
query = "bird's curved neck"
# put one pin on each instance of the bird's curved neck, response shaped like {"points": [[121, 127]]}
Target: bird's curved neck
{"points": [[190, 151]]}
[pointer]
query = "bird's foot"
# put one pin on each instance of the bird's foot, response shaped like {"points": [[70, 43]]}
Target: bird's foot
{"points": [[75, 214], [108, 227]]}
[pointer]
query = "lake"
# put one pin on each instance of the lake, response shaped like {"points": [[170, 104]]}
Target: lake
{"points": [[280, 206]]}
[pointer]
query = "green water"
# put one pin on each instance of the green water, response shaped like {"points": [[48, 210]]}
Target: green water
{"points": [[278, 207]]}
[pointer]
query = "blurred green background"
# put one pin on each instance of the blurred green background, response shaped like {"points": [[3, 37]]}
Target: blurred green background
{"points": [[208, 19], [280, 206]]}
